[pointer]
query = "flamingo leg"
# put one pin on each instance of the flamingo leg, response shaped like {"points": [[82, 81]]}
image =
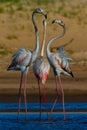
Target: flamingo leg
{"points": [[25, 101], [57, 89], [62, 96], [39, 96], [45, 94], [45, 100], [19, 94]]}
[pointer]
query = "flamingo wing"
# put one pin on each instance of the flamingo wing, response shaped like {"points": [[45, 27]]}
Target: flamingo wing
{"points": [[62, 64], [20, 59]]}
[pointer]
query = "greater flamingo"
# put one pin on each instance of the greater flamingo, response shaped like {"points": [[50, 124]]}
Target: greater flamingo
{"points": [[23, 58], [41, 68], [59, 63]]}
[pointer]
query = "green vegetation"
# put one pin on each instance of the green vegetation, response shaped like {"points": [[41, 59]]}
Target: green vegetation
{"points": [[10, 37], [3, 1], [1, 10], [67, 12], [66, 8], [45, 2], [20, 7], [4, 52]]}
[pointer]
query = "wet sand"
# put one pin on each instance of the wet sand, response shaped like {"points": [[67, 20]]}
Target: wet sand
{"points": [[75, 88]]}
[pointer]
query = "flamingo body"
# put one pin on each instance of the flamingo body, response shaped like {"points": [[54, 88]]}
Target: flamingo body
{"points": [[59, 62], [21, 60], [41, 69]]}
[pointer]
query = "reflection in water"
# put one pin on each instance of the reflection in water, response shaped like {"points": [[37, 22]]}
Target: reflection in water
{"points": [[74, 120], [8, 121]]}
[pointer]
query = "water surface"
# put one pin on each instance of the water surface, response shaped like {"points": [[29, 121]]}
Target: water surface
{"points": [[74, 120]]}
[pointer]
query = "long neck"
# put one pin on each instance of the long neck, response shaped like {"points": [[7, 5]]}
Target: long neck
{"points": [[48, 52], [35, 51], [43, 40]]}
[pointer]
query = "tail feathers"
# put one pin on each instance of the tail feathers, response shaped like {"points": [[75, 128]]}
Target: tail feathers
{"points": [[71, 74], [68, 72], [9, 67]]}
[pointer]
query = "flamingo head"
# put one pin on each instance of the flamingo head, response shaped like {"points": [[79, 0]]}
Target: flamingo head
{"points": [[58, 21], [40, 11]]}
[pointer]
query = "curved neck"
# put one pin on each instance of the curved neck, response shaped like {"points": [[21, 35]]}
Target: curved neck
{"points": [[34, 23], [35, 51], [43, 40], [48, 52]]}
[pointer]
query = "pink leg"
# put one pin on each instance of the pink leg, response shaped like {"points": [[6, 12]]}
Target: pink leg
{"points": [[19, 94], [44, 93], [39, 96], [45, 100], [25, 95], [62, 96], [57, 89]]}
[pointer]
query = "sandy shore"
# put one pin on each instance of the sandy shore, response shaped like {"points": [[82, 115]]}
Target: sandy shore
{"points": [[75, 88]]}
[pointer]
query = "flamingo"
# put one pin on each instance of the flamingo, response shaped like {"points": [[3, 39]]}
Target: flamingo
{"points": [[23, 58], [41, 68], [59, 63]]}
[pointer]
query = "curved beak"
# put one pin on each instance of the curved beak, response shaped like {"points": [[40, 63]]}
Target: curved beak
{"points": [[53, 21], [44, 13], [45, 16]]}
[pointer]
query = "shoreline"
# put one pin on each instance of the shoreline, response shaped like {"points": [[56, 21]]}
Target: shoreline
{"points": [[75, 89], [70, 96]]}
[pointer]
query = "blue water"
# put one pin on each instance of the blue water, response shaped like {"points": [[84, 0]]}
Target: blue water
{"points": [[74, 120], [35, 106]]}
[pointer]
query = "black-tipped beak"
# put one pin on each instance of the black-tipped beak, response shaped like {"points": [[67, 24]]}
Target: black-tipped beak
{"points": [[45, 16], [71, 74], [8, 68], [53, 21]]}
